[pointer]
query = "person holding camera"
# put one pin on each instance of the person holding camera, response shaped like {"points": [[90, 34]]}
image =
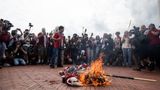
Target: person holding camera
{"points": [[98, 45], [154, 45], [1, 46], [19, 54], [5, 26], [74, 49]]}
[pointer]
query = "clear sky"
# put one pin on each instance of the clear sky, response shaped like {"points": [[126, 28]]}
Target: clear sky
{"points": [[98, 16]]}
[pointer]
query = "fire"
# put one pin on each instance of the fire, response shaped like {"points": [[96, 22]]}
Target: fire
{"points": [[95, 75]]}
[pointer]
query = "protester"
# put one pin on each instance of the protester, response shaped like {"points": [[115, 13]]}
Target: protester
{"points": [[126, 48], [58, 48], [42, 47], [117, 58], [62, 45], [140, 44]]}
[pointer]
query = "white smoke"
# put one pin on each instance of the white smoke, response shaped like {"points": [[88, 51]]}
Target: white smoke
{"points": [[98, 16], [144, 11]]}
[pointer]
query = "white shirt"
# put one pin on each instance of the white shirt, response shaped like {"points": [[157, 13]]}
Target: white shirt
{"points": [[126, 43]]}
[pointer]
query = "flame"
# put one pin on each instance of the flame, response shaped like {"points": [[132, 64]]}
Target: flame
{"points": [[95, 75]]}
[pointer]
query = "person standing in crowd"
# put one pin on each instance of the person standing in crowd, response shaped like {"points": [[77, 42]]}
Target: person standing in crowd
{"points": [[90, 48], [117, 41], [126, 48], [5, 26], [42, 46], [50, 47], [154, 45], [68, 58], [107, 46], [117, 49], [74, 49], [153, 35], [55, 49], [1, 46], [58, 48], [62, 45], [83, 47], [141, 53], [97, 46]]}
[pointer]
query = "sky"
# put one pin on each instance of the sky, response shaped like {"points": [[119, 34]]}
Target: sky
{"points": [[98, 16]]}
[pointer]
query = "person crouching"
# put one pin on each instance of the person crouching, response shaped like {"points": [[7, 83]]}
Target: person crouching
{"points": [[19, 54]]}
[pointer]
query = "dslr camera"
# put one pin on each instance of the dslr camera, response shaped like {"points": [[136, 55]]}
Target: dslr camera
{"points": [[6, 24]]}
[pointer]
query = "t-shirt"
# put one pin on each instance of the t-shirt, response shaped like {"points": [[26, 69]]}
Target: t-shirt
{"points": [[56, 43], [5, 37], [154, 39], [61, 40], [19, 53], [117, 41], [40, 39], [126, 43]]}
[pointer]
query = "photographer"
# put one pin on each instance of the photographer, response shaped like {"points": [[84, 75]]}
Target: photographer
{"points": [[83, 46], [1, 47], [98, 45], [74, 48], [32, 50], [19, 54], [107, 47], [154, 45], [90, 48], [5, 26]]}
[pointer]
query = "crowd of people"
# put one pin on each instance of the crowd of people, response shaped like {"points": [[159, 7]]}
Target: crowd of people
{"points": [[139, 47]]}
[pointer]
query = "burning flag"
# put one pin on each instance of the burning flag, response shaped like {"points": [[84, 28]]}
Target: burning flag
{"points": [[95, 75], [83, 75]]}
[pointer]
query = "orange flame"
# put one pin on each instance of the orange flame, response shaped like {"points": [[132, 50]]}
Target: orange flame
{"points": [[95, 75]]}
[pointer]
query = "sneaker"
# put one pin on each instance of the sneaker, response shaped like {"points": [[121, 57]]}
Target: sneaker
{"points": [[55, 66], [7, 65], [51, 66]]}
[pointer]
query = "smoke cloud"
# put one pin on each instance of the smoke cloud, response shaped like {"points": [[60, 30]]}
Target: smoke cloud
{"points": [[98, 16], [144, 11]]}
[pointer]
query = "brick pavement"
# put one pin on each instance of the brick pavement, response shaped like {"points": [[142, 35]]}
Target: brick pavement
{"points": [[41, 77]]}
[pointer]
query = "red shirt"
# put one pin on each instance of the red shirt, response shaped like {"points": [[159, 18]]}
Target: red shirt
{"points": [[56, 43], [154, 39], [41, 39], [5, 37]]}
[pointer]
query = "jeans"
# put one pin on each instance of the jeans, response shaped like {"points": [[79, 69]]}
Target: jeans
{"points": [[89, 55], [1, 53], [42, 54], [97, 51], [60, 57], [74, 55], [54, 58], [18, 61], [127, 56]]}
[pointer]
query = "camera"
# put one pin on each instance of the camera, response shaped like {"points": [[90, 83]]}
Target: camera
{"points": [[134, 31], [30, 25], [15, 32], [31, 35], [6, 24]]}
